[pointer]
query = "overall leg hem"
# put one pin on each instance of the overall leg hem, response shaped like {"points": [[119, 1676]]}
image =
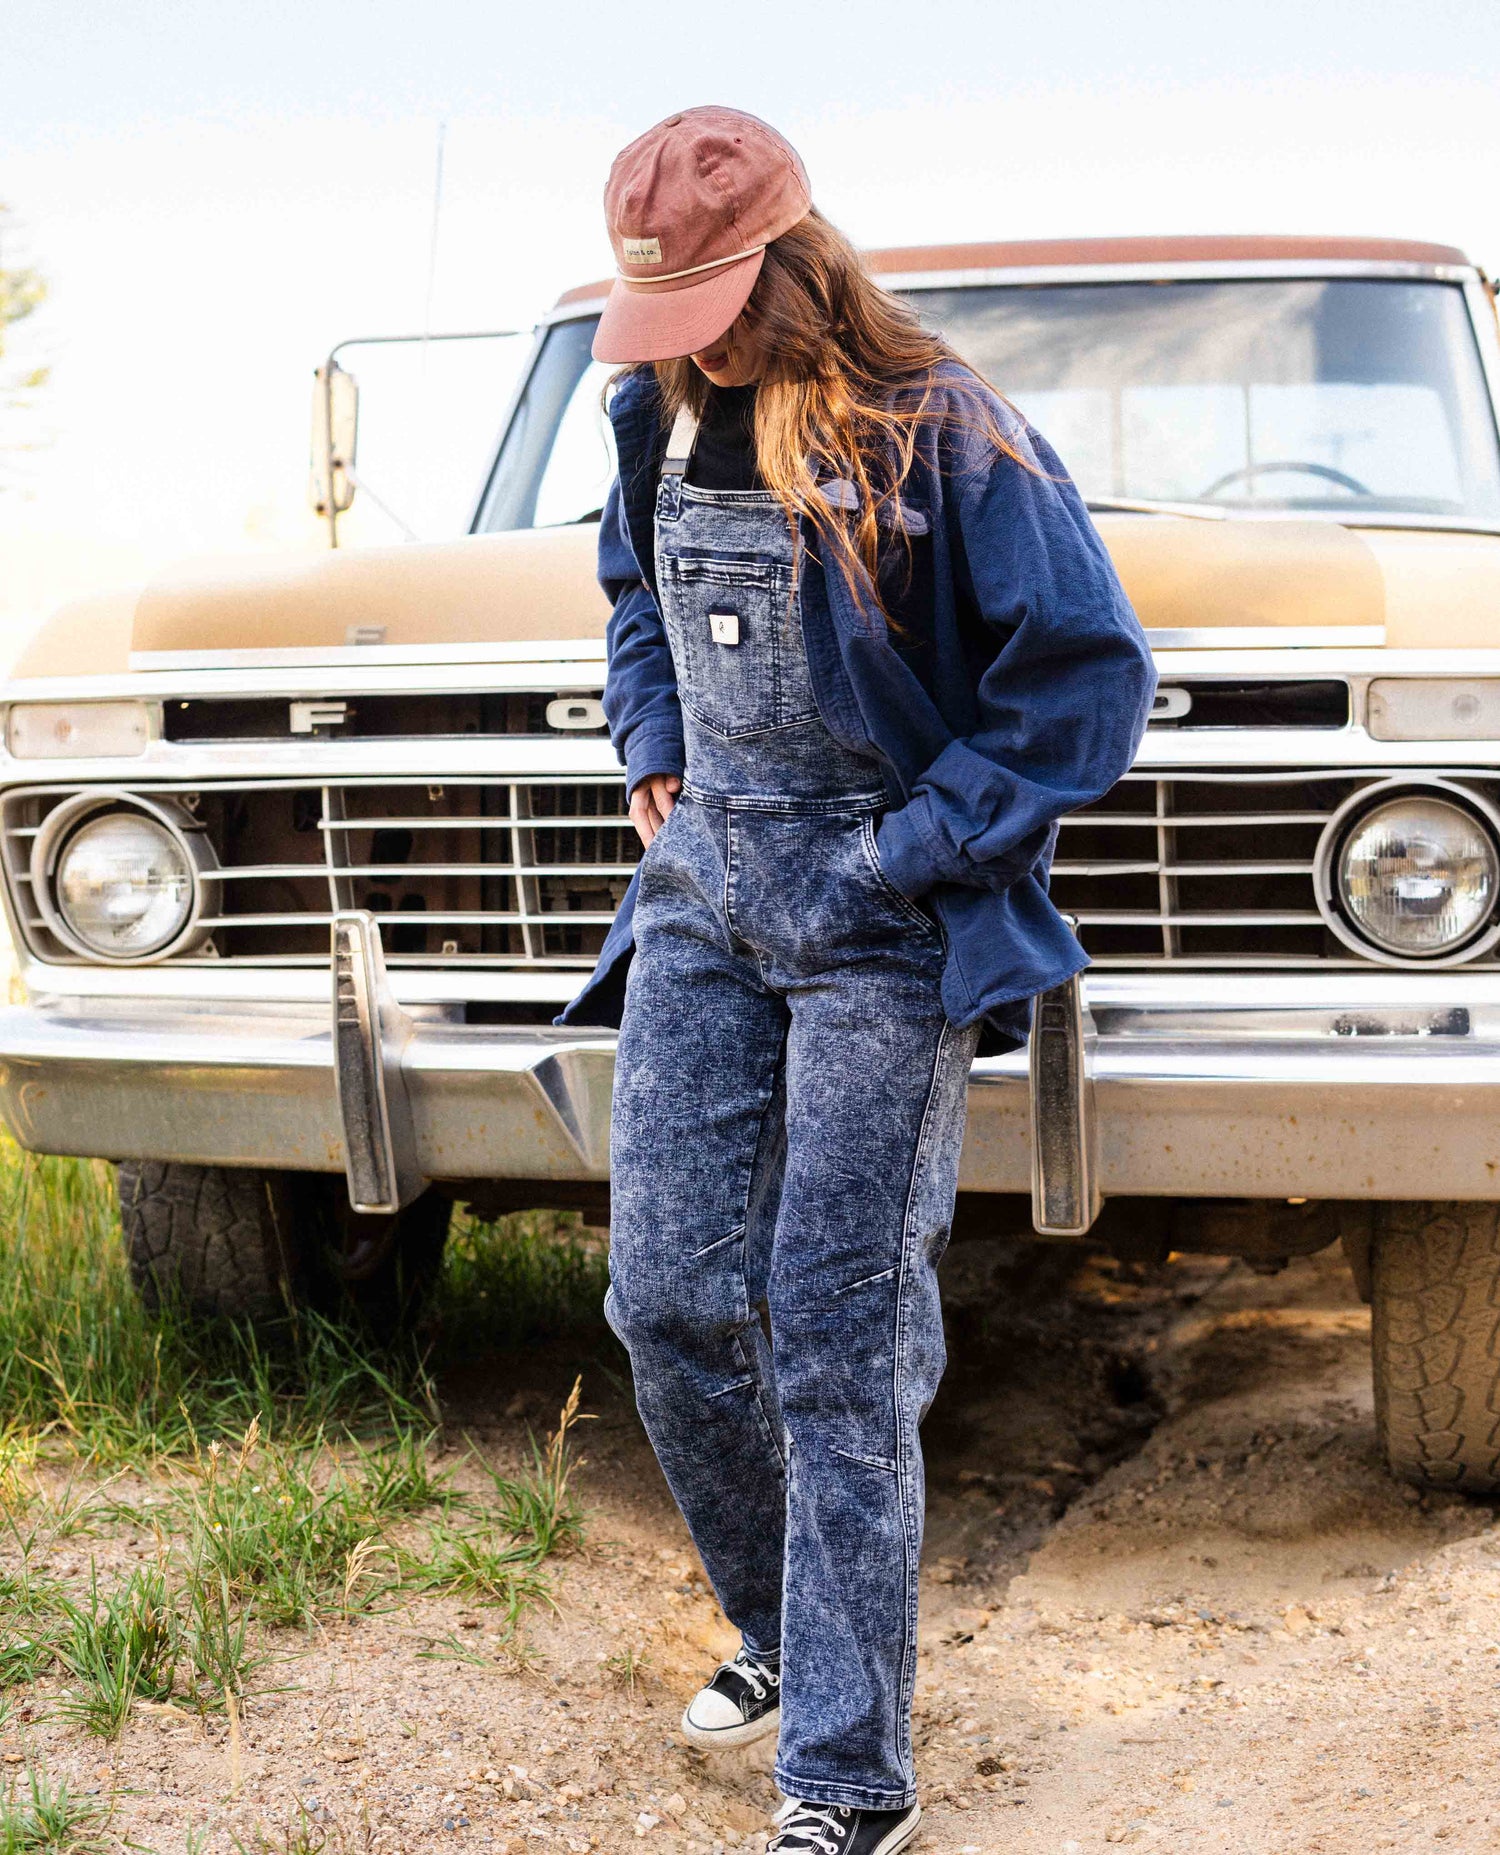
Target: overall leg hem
{"points": [[854, 1796]]}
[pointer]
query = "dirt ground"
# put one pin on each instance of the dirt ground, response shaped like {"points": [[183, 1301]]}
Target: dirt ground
{"points": [[1170, 1600]]}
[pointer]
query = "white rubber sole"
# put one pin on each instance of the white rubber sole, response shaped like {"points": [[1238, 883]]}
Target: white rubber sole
{"points": [[902, 1834], [724, 1738]]}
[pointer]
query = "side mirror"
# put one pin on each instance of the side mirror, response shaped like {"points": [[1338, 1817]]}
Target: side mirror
{"points": [[421, 407], [335, 430]]}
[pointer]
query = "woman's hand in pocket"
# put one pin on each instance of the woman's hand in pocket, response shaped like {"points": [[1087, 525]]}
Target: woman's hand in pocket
{"points": [[652, 802]]}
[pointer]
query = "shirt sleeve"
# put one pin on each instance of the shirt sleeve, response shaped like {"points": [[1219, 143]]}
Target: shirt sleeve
{"points": [[641, 703], [1063, 704]]}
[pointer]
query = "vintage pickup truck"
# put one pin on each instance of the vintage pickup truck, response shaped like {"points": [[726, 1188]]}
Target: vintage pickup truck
{"points": [[300, 863]]}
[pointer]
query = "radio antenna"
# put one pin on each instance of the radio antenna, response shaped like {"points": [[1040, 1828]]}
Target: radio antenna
{"points": [[437, 215]]}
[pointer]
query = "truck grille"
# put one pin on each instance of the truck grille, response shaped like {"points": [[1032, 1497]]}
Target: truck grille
{"points": [[502, 872], [1210, 868]]}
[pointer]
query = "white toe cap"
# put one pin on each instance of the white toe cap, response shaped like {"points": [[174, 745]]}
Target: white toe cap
{"points": [[712, 1712]]}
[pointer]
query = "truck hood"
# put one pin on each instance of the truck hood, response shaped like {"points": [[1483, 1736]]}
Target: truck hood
{"points": [[1429, 590]]}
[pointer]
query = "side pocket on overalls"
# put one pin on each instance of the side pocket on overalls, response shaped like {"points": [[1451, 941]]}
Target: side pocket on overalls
{"points": [[911, 909]]}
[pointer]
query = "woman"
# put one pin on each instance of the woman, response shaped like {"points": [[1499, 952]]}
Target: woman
{"points": [[866, 649]]}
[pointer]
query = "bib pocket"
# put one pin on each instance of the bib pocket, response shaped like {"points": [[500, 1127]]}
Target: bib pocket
{"points": [[735, 633]]}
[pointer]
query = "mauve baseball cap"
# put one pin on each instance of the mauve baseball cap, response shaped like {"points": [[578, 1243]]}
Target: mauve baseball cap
{"points": [[692, 205]]}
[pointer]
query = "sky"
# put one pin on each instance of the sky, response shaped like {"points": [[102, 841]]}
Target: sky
{"points": [[218, 193]]}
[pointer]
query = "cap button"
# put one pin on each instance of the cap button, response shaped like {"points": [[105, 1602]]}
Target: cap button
{"points": [[671, 122]]}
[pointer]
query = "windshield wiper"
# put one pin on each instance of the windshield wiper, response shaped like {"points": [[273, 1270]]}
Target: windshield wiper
{"points": [[1141, 505]]}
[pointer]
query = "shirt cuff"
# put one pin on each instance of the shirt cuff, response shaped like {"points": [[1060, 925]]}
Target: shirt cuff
{"points": [[653, 750], [905, 848]]}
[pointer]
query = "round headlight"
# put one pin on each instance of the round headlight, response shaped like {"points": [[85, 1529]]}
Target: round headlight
{"points": [[124, 885], [1418, 876]]}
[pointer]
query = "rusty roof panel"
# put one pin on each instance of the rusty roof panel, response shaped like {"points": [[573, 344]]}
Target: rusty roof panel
{"points": [[1047, 253]]}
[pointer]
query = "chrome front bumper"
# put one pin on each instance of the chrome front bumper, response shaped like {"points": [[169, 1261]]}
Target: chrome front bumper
{"points": [[1268, 1085]]}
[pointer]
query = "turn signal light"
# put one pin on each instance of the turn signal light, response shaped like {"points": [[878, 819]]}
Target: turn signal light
{"points": [[77, 730], [1435, 708]]}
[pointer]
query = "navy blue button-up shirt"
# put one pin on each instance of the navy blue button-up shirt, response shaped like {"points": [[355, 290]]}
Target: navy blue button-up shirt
{"points": [[1023, 697]]}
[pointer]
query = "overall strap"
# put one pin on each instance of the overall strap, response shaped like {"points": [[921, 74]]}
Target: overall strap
{"points": [[680, 443]]}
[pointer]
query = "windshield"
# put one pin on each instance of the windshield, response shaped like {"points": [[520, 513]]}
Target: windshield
{"points": [[1356, 398]]}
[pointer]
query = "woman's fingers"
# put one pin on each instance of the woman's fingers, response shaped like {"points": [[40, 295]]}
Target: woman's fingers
{"points": [[650, 803], [641, 814], [644, 812]]}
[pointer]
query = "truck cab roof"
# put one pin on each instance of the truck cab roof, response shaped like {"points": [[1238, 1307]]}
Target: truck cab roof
{"points": [[1115, 253]]}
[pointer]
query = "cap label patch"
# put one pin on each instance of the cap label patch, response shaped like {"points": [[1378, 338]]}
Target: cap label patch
{"points": [[642, 250]]}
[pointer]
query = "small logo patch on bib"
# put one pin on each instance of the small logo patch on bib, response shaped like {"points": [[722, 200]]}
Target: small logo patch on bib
{"points": [[724, 627], [642, 250]]}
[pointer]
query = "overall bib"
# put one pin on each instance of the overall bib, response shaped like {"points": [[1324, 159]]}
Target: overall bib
{"points": [[788, 1110]]}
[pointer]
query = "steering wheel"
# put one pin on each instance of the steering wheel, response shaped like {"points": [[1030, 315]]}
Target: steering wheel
{"points": [[1248, 472]]}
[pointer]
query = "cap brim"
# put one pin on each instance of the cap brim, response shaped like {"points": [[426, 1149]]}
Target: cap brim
{"points": [[645, 322]]}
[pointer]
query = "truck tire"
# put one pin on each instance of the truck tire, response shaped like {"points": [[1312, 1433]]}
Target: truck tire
{"points": [[217, 1239], [1435, 1340], [239, 1243], [371, 1272]]}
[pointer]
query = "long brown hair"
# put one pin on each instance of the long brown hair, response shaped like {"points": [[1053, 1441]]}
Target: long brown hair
{"points": [[848, 386]]}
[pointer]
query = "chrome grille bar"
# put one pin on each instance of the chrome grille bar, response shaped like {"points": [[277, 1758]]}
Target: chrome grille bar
{"points": [[1150, 820], [1166, 885]]}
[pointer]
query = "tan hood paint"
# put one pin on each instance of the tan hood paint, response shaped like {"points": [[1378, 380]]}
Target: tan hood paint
{"points": [[1429, 590], [534, 583]]}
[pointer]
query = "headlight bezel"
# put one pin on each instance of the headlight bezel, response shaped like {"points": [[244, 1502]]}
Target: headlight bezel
{"points": [[61, 826], [1335, 836]]}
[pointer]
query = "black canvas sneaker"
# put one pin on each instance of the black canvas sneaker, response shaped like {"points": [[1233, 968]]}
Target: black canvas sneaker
{"points": [[740, 1705], [834, 1829]]}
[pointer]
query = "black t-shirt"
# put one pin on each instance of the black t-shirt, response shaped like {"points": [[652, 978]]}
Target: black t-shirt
{"points": [[724, 459], [724, 456]]}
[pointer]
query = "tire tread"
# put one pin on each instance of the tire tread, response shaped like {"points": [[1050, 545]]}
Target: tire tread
{"points": [[1435, 1341], [237, 1243]]}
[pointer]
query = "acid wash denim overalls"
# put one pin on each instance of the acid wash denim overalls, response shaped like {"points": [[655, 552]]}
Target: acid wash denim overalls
{"points": [[788, 1109]]}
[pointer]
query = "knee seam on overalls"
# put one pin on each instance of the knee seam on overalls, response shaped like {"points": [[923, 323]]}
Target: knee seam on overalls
{"points": [[865, 1281], [729, 1237]]}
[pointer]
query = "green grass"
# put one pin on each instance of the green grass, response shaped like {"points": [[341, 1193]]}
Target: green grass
{"points": [[291, 1474], [287, 1535], [81, 1362], [302, 1837], [25, 1655], [295, 1529], [219, 1644], [39, 1817], [535, 1276], [31, 1625], [119, 1648]]}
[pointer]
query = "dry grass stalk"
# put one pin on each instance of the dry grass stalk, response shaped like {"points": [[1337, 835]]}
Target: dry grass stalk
{"points": [[236, 1743]]}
